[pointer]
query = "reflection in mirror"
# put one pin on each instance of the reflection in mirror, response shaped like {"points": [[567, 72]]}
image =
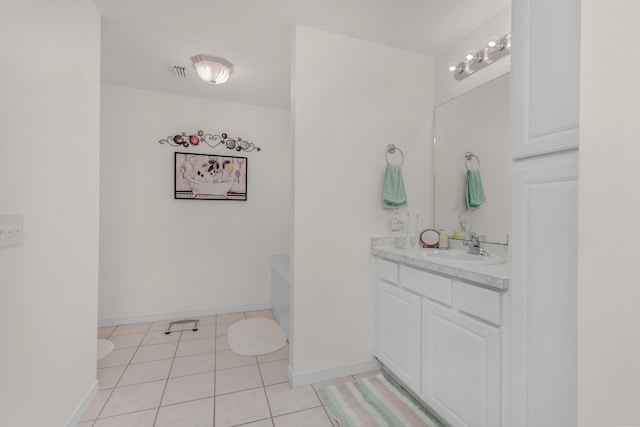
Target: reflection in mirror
{"points": [[476, 122]]}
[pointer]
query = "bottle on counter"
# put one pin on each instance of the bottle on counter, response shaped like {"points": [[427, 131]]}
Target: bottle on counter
{"points": [[443, 240]]}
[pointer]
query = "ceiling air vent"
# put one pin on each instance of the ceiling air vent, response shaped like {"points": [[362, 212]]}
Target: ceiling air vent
{"points": [[180, 72]]}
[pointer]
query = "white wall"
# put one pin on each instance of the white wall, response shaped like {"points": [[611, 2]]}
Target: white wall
{"points": [[159, 255], [608, 293], [351, 99], [49, 127], [447, 87]]}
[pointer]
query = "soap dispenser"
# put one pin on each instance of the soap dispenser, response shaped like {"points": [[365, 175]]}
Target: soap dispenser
{"points": [[443, 240]]}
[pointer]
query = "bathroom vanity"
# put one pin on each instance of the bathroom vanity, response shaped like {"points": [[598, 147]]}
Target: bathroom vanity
{"points": [[441, 330]]}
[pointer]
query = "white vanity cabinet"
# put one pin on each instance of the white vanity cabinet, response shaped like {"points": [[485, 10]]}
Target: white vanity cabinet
{"points": [[397, 325], [452, 357], [461, 367]]}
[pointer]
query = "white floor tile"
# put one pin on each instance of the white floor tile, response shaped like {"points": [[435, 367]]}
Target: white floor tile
{"points": [[189, 365], [145, 372], [161, 325], [315, 417], [284, 400], [134, 328], [136, 419], [109, 377], [105, 331], [222, 343], [195, 346], [259, 313], [230, 317], [204, 331], [237, 379], [133, 398], [178, 379], [207, 320], [223, 327], [159, 337], [147, 353], [262, 423], [96, 406], [126, 341], [116, 358], [228, 359], [191, 387], [241, 407], [274, 372], [196, 413], [281, 354]]}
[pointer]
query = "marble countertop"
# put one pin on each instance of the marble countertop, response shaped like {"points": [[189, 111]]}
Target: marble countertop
{"points": [[493, 276]]}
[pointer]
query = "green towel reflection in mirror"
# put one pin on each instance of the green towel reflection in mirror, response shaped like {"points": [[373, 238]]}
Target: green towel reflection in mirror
{"points": [[474, 193], [393, 195]]}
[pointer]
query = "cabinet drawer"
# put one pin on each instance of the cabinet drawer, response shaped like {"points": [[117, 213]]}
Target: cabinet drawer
{"points": [[437, 288], [387, 270], [479, 302]]}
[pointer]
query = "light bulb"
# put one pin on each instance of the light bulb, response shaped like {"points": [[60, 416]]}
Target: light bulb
{"points": [[470, 56], [494, 43], [453, 67]]}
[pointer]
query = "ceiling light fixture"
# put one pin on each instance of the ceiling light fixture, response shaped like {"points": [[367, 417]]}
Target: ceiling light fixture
{"points": [[474, 61], [211, 69]]}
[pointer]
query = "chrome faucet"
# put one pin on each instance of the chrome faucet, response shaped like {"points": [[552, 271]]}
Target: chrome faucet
{"points": [[474, 245]]}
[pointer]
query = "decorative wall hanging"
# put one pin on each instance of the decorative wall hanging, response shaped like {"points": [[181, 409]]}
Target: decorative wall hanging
{"points": [[207, 177], [212, 141]]}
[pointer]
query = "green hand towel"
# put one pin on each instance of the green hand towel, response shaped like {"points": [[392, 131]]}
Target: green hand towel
{"points": [[393, 195], [474, 194]]}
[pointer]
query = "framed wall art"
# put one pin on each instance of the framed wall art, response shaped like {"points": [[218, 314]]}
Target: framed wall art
{"points": [[209, 177]]}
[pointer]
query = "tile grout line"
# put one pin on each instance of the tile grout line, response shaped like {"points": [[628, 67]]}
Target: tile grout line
{"points": [[106, 402], [215, 364], [117, 384], [166, 382], [264, 390], [214, 338]]}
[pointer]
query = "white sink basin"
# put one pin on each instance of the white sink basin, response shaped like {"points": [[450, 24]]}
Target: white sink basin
{"points": [[463, 257]]}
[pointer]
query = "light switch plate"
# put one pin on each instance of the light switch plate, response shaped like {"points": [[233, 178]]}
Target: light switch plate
{"points": [[11, 230]]}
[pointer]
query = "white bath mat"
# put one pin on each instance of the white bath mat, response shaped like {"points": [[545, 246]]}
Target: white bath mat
{"points": [[252, 337], [104, 347]]}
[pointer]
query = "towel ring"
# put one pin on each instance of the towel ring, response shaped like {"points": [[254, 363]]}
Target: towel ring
{"points": [[469, 156], [391, 149]]}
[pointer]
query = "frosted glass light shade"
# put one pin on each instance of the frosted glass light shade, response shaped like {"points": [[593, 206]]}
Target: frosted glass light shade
{"points": [[211, 69]]}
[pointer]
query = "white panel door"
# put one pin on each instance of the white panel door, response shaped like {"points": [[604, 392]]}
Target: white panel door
{"points": [[397, 333], [545, 77], [543, 293], [461, 367]]}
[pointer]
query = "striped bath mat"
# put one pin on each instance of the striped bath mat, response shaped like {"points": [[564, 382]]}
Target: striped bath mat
{"points": [[375, 401]]}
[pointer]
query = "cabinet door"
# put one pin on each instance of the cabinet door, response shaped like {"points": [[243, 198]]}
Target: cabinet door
{"points": [[397, 336], [545, 64], [544, 276], [460, 367]]}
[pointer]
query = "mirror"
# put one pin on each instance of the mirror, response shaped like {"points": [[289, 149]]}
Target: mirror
{"points": [[475, 122]]}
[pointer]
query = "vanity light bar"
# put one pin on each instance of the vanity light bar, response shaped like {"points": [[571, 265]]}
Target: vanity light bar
{"points": [[475, 61]]}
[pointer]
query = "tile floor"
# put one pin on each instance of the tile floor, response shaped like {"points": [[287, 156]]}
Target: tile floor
{"points": [[192, 379]]}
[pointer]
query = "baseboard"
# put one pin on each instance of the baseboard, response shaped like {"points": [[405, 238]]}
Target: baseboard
{"points": [[125, 320], [83, 405], [313, 377]]}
